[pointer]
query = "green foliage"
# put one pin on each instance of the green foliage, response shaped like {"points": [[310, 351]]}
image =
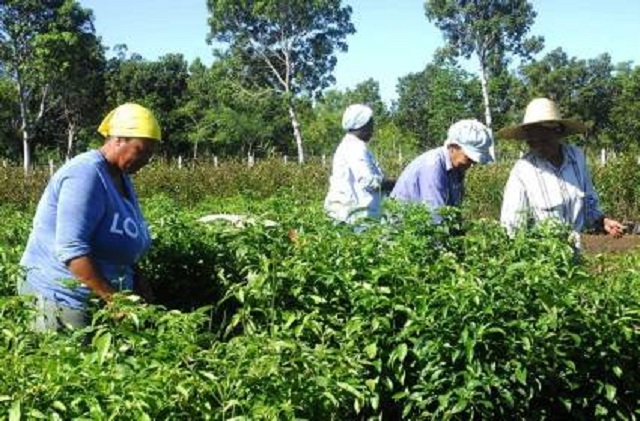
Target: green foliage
{"points": [[160, 85], [584, 89], [488, 29], [289, 47], [432, 100], [307, 319], [39, 43], [625, 111]]}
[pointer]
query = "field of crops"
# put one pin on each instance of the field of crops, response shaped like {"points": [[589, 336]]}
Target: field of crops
{"points": [[309, 320]]}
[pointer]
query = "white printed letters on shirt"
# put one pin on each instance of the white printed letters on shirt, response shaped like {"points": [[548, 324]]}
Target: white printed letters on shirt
{"points": [[128, 226]]}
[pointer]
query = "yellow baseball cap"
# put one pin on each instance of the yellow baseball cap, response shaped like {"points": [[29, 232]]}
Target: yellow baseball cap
{"points": [[131, 120]]}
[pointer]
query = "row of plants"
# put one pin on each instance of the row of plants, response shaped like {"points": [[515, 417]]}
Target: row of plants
{"points": [[617, 183], [308, 319]]}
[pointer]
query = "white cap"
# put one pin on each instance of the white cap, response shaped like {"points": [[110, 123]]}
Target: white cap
{"points": [[474, 138], [356, 116]]}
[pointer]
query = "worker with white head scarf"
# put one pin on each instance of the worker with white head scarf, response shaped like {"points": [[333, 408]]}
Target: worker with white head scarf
{"points": [[356, 178]]}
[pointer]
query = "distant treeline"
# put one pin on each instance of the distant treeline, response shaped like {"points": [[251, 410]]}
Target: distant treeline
{"points": [[57, 82]]}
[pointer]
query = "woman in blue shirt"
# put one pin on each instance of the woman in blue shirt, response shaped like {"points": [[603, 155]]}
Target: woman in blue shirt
{"points": [[88, 230]]}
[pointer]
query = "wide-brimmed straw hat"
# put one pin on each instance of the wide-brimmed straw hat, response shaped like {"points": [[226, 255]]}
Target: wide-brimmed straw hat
{"points": [[541, 111]]}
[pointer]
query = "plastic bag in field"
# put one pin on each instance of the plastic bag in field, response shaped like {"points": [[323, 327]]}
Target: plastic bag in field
{"points": [[237, 220]]}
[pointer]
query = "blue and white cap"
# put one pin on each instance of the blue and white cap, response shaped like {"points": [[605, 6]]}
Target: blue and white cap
{"points": [[356, 116], [474, 138]]}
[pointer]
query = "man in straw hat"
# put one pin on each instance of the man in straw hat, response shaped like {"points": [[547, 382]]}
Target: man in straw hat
{"points": [[552, 180], [436, 178]]}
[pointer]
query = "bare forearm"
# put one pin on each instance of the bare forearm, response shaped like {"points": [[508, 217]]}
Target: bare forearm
{"points": [[87, 272]]}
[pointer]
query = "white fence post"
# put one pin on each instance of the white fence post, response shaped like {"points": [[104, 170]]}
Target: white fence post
{"points": [[603, 156], [215, 161], [324, 160], [284, 158], [52, 167], [180, 162]]}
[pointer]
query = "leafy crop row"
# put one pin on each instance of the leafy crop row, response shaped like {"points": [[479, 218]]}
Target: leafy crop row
{"points": [[308, 319], [617, 183]]}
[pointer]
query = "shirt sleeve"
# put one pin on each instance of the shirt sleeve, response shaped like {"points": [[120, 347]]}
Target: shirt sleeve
{"points": [[80, 208], [432, 189], [515, 203], [593, 212], [366, 171]]}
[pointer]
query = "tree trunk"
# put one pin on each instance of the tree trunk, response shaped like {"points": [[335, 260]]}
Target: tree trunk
{"points": [[26, 151], [485, 96], [487, 108], [296, 133], [71, 135]]}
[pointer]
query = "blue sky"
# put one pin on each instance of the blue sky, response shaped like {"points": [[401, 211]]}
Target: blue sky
{"points": [[393, 37]]}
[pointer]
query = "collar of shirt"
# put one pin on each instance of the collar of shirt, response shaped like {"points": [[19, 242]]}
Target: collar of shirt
{"points": [[447, 158], [353, 138]]}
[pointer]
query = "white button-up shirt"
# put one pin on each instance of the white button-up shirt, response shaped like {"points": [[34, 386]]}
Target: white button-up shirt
{"points": [[538, 190], [355, 183]]}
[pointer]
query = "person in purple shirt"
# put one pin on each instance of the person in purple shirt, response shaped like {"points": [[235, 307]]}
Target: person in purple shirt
{"points": [[88, 230], [436, 178]]}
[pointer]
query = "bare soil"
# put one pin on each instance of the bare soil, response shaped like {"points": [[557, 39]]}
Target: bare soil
{"points": [[594, 244]]}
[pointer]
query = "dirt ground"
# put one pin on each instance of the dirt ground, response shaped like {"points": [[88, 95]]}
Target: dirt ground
{"points": [[593, 244]]}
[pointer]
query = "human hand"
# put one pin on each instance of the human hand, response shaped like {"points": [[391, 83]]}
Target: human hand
{"points": [[613, 227]]}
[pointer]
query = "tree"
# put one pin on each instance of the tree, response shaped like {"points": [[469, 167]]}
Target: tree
{"points": [[488, 29], [625, 112], [9, 109], [583, 89], [431, 100], [160, 85], [37, 40], [228, 114], [324, 123], [291, 43], [81, 88]]}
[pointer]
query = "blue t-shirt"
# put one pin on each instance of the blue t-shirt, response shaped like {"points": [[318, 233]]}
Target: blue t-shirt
{"points": [[82, 212]]}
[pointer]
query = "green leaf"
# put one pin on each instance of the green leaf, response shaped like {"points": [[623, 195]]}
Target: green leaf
{"points": [[349, 388], [371, 384], [371, 350], [102, 344], [610, 392], [617, 371], [59, 406], [521, 375]]}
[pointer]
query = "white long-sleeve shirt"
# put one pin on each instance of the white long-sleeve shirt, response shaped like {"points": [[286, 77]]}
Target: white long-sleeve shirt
{"points": [[355, 183], [537, 190]]}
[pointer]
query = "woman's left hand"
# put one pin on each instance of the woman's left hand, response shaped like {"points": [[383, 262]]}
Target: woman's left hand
{"points": [[613, 227]]}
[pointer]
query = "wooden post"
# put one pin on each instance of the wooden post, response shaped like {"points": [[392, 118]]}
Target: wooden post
{"points": [[52, 168], [180, 161], [603, 156], [215, 161]]}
